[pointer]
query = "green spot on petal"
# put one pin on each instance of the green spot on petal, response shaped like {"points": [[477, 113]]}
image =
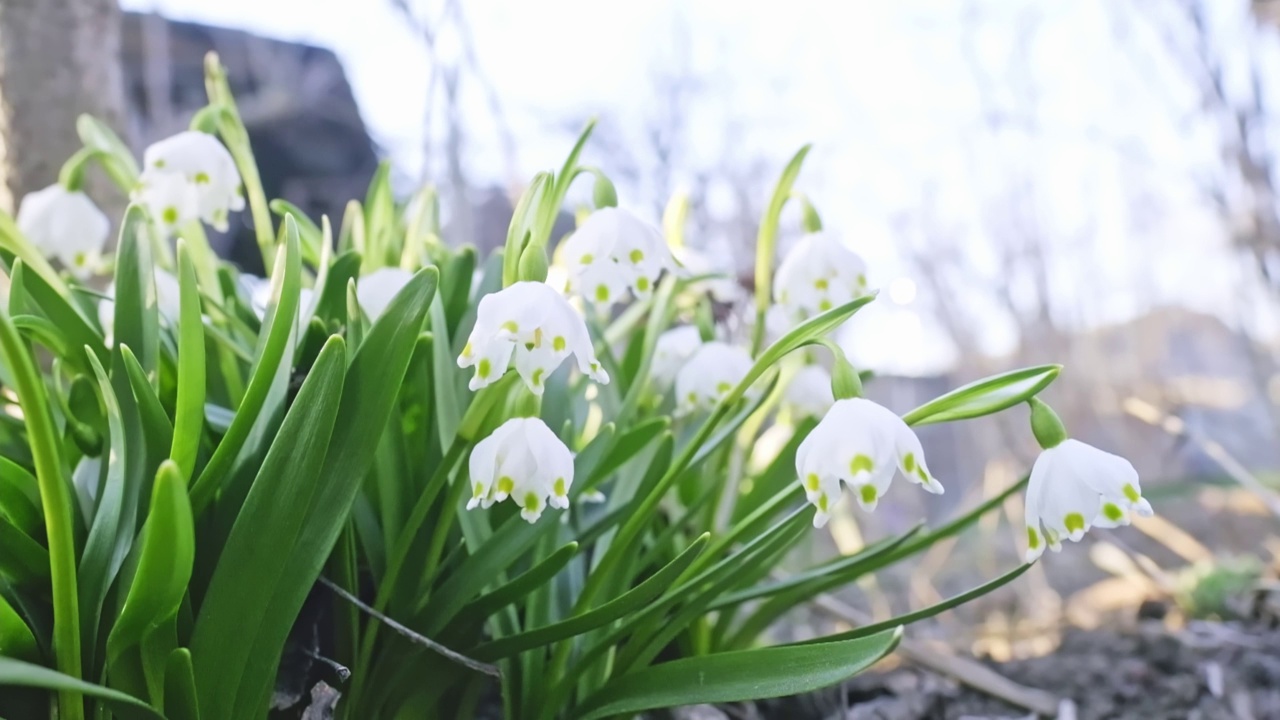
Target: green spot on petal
{"points": [[170, 215], [537, 376], [511, 326], [586, 258], [1033, 538], [642, 284], [1112, 512], [868, 494], [825, 305], [477, 490], [811, 482], [636, 256], [559, 487], [820, 283], [559, 343], [602, 293], [822, 502], [1132, 493], [506, 484], [909, 462], [861, 463], [723, 387], [531, 501], [1073, 522], [485, 368], [202, 178]]}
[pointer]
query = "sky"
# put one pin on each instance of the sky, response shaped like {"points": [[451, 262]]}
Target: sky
{"points": [[1064, 119]]}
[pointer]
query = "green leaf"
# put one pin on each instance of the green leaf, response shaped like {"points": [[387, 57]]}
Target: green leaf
{"points": [[628, 446], [803, 334], [918, 615], [738, 676], [235, 615], [20, 498], [23, 674], [984, 397], [164, 563], [767, 238], [97, 136], [519, 587], [137, 317], [16, 639], [625, 604], [188, 423], [308, 233], [22, 559], [180, 702], [278, 325], [447, 377], [64, 315]]}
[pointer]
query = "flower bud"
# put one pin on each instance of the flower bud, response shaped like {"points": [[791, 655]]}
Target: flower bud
{"points": [[1046, 425]]}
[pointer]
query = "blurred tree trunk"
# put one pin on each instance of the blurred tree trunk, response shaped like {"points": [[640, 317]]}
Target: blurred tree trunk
{"points": [[58, 58]]}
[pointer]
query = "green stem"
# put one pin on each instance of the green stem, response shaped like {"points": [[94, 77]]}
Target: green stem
{"points": [[55, 496]]}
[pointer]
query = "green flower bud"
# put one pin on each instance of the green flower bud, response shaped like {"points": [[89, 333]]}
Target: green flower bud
{"points": [[603, 194], [533, 263], [1046, 425]]}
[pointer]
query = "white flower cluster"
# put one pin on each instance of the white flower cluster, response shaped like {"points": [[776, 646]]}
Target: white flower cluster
{"points": [[525, 461], [189, 176], [614, 251]]}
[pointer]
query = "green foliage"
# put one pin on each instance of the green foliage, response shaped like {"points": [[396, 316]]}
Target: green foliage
{"points": [[177, 483]]}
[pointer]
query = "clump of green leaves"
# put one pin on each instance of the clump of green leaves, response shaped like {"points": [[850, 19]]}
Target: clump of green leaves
{"points": [[175, 481]]}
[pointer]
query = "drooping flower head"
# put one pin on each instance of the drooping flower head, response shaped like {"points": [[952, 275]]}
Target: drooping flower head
{"points": [[65, 225], [1075, 486], [614, 251], [533, 327], [860, 444], [672, 351], [709, 375], [809, 392], [376, 290], [190, 176], [525, 461], [819, 273]]}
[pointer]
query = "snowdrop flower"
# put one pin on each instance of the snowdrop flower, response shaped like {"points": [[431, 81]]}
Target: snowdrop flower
{"points": [[65, 225], [612, 251], [819, 273], [376, 290], [525, 461], [862, 445], [672, 351], [711, 373], [809, 392], [1074, 486], [534, 327], [190, 176]]}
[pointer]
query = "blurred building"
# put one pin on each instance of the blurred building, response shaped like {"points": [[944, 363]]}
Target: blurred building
{"points": [[310, 142]]}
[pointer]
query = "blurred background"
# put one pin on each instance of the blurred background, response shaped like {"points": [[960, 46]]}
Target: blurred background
{"points": [[1090, 182]]}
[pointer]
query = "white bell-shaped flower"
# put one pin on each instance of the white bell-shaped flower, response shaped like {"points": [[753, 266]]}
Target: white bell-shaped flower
{"points": [[711, 373], [862, 445], [65, 225], [671, 352], [188, 176], [614, 251], [525, 461], [533, 327], [809, 392], [376, 290], [819, 273], [1075, 486]]}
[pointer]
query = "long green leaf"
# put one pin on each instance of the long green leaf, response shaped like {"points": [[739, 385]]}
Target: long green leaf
{"points": [[16, 639], [20, 497], [986, 396], [137, 315], [620, 606], [188, 423], [738, 676], [23, 674], [235, 611], [286, 283]]}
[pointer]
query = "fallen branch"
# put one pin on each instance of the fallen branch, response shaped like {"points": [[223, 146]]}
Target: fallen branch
{"points": [[414, 637]]}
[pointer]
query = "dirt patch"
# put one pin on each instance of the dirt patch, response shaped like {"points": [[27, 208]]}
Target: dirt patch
{"points": [[1209, 671]]}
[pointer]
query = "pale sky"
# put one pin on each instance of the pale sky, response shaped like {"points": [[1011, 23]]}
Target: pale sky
{"points": [[1093, 118]]}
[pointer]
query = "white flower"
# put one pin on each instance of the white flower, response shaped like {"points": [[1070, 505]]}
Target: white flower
{"points": [[65, 225], [525, 461], [190, 176], [711, 372], [671, 352], [534, 327], [1075, 486], [809, 392], [612, 251], [819, 273], [376, 290], [861, 444]]}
